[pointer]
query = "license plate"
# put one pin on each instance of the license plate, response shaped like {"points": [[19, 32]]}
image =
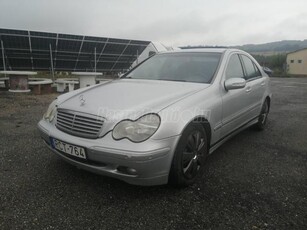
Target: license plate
{"points": [[69, 149]]}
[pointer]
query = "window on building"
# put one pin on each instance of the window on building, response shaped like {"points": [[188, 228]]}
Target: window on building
{"points": [[292, 61], [299, 61]]}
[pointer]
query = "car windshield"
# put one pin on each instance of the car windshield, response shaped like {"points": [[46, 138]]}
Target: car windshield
{"points": [[187, 67]]}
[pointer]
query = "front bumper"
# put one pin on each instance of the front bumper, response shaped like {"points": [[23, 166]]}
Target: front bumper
{"points": [[150, 160]]}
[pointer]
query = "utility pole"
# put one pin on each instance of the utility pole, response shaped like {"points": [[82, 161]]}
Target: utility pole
{"points": [[3, 60], [51, 61], [95, 60]]}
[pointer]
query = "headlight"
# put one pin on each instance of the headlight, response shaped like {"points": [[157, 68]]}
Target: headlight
{"points": [[139, 130], [50, 114]]}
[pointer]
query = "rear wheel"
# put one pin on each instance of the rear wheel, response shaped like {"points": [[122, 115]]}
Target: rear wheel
{"points": [[263, 117], [190, 156]]}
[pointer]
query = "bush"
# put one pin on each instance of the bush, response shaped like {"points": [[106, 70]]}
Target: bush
{"points": [[275, 62]]}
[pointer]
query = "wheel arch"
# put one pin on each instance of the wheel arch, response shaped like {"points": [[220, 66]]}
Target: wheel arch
{"points": [[206, 125], [268, 98], [199, 120]]}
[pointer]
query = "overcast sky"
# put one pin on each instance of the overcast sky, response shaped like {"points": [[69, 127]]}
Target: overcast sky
{"points": [[172, 22]]}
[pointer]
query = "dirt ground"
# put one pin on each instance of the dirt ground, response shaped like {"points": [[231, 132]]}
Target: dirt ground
{"points": [[257, 180]]}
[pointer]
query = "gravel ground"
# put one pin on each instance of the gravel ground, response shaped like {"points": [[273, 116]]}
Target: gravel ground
{"points": [[257, 180]]}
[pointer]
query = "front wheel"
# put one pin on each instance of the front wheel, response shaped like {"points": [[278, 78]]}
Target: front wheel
{"points": [[190, 155], [263, 117]]}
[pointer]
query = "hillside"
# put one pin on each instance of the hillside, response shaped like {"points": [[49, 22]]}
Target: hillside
{"points": [[275, 47], [267, 48]]}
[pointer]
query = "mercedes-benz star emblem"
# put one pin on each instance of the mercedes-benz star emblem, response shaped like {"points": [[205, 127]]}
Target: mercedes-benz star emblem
{"points": [[82, 100]]}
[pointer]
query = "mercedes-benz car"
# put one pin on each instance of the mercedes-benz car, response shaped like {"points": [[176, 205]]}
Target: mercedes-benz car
{"points": [[159, 121]]}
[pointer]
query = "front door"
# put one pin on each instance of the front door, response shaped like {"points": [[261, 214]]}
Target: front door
{"points": [[235, 102]]}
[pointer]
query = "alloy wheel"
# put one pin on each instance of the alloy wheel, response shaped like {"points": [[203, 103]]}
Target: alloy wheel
{"points": [[264, 113], [193, 154]]}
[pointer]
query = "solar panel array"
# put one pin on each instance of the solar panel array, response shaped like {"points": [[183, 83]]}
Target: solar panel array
{"points": [[31, 50]]}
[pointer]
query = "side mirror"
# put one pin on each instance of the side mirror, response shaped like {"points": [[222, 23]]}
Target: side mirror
{"points": [[267, 70], [234, 83]]}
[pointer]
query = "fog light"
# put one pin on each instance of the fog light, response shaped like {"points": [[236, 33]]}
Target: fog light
{"points": [[126, 170]]}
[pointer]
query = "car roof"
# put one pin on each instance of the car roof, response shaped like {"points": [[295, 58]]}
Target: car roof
{"points": [[202, 50]]}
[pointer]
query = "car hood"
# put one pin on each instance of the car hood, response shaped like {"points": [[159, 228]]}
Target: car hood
{"points": [[128, 98]]}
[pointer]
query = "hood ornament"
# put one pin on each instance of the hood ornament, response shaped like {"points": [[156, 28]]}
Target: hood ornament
{"points": [[82, 100]]}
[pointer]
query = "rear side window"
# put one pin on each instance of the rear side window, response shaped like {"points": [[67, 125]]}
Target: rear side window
{"points": [[234, 68], [252, 70]]}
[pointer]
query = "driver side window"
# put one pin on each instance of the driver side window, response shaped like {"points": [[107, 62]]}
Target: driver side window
{"points": [[234, 68]]}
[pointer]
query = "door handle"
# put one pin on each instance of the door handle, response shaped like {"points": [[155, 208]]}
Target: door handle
{"points": [[248, 89], [262, 83]]}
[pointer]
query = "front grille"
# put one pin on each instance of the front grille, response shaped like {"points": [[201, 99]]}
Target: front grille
{"points": [[79, 124]]}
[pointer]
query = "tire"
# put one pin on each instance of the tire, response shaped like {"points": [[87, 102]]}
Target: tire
{"points": [[263, 117], [189, 156]]}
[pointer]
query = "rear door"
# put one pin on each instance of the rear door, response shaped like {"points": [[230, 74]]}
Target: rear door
{"points": [[254, 84]]}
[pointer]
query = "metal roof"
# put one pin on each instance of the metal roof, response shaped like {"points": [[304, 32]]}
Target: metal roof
{"points": [[42, 51], [296, 51]]}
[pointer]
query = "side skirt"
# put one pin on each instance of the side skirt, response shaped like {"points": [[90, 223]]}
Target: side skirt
{"points": [[233, 133]]}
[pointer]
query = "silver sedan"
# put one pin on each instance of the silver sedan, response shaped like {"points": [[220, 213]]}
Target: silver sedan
{"points": [[159, 122]]}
